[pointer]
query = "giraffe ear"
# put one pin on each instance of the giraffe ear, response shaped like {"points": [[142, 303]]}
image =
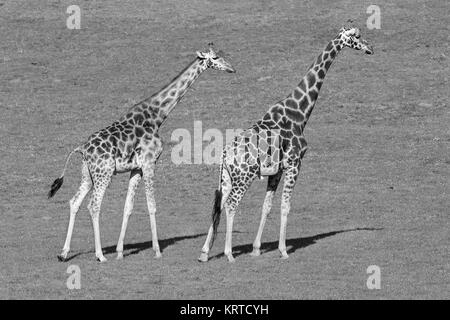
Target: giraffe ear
{"points": [[201, 55], [349, 24]]}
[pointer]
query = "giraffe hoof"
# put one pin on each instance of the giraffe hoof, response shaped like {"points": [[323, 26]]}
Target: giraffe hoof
{"points": [[101, 259], [158, 255], [119, 256], [284, 255], [62, 257], [203, 257], [230, 258], [255, 252]]}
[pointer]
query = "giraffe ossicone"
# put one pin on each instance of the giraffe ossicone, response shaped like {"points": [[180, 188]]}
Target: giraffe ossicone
{"points": [[289, 117], [130, 144]]}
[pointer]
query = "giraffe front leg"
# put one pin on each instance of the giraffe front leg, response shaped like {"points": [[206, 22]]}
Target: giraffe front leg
{"points": [[272, 185], [265, 212], [289, 184], [100, 185], [135, 178], [149, 172], [75, 203]]}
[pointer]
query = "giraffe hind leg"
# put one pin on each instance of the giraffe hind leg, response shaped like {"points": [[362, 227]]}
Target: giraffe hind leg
{"points": [[230, 213], [75, 202], [231, 205], [272, 185], [101, 182], [149, 173], [238, 190], [289, 184], [225, 189]]}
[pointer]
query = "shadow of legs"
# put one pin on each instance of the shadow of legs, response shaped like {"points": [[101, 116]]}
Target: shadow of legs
{"points": [[140, 246], [292, 244]]}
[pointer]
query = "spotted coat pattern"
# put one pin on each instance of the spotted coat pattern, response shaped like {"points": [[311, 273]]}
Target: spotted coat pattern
{"points": [[288, 117], [131, 144]]}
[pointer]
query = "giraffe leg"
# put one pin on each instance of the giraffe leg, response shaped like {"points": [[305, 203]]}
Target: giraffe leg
{"points": [[231, 205], [226, 188], [75, 203], [100, 185], [205, 249], [135, 178], [272, 185], [149, 172], [230, 213], [289, 184]]}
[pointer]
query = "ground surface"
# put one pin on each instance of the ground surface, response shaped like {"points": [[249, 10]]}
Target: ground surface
{"points": [[375, 183]]}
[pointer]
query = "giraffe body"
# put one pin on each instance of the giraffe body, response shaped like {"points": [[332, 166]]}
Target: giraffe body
{"points": [[130, 144], [287, 119]]}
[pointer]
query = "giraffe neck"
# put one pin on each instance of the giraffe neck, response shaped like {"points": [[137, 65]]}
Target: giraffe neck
{"points": [[304, 96], [165, 100]]}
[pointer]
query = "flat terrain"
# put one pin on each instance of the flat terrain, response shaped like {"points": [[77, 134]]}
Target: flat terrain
{"points": [[374, 187]]}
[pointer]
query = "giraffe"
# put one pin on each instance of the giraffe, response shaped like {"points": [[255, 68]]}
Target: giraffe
{"points": [[241, 159], [130, 144]]}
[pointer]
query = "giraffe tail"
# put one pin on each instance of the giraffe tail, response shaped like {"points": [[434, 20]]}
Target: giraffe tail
{"points": [[59, 181], [217, 208]]}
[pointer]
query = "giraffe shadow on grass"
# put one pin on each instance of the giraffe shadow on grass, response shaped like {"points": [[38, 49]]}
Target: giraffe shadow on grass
{"points": [[135, 248], [291, 244]]}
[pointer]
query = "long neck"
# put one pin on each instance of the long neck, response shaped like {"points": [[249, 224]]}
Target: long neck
{"points": [[304, 96], [165, 100]]}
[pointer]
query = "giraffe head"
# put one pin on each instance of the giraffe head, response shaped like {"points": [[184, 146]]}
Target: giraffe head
{"points": [[214, 61], [351, 37]]}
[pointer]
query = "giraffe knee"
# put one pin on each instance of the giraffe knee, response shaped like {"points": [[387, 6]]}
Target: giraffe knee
{"points": [[90, 204], [128, 210], [285, 208], [94, 214], [226, 189], [267, 207], [92, 207], [74, 205], [87, 182], [152, 210], [230, 210], [73, 201]]}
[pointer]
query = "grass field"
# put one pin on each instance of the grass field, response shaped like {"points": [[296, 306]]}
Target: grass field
{"points": [[374, 188]]}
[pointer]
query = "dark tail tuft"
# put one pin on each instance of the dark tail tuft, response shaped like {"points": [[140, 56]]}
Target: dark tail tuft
{"points": [[216, 213], [55, 187]]}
